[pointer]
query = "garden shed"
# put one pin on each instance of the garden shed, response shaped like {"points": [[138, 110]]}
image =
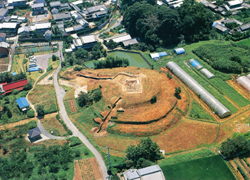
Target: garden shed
{"points": [[210, 100], [244, 82], [179, 51], [22, 103], [155, 56], [195, 64], [207, 73]]}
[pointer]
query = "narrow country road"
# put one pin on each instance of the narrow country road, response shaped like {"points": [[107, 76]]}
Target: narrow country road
{"points": [[70, 125]]}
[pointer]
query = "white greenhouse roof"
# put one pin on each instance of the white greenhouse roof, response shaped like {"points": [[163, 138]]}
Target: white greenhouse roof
{"points": [[154, 55], [207, 73], [244, 82], [122, 38], [88, 39]]}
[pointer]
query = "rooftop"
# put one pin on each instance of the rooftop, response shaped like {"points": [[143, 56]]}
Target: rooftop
{"points": [[4, 45], [245, 27], [34, 132], [130, 42], [88, 39], [221, 28], [3, 35], [3, 11], [93, 9], [64, 15], [23, 29], [22, 102], [234, 2], [55, 3], [37, 5]]}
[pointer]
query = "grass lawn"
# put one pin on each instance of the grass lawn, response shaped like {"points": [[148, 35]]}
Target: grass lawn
{"points": [[244, 42], [213, 167], [52, 124], [44, 95], [17, 63]]}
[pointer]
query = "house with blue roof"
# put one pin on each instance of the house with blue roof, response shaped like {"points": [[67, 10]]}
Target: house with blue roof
{"points": [[22, 103], [34, 134]]}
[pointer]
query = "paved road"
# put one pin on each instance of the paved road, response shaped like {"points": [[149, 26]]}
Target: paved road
{"points": [[70, 125], [43, 60], [45, 133]]}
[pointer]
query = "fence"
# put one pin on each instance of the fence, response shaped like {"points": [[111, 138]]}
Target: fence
{"points": [[32, 49]]}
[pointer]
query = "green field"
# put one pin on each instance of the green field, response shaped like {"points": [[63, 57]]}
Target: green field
{"points": [[244, 42], [198, 112], [208, 168], [134, 59]]}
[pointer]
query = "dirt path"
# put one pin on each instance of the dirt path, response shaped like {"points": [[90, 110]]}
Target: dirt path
{"points": [[72, 105], [78, 175], [12, 125], [46, 80]]}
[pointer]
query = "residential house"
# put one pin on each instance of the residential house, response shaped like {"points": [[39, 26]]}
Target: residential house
{"points": [[95, 11], [41, 27], [4, 49], [24, 31], [8, 27], [151, 172], [64, 6], [62, 16], [244, 27], [233, 5], [88, 41], [78, 27], [1, 4], [228, 21], [2, 37], [83, 22], [129, 42], [47, 35], [7, 88], [34, 134], [54, 11], [221, 29], [38, 9], [77, 42], [39, 1], [22, 103], [21, 19], [13, 18], [17, 3], [3, 13], [55, 4]]}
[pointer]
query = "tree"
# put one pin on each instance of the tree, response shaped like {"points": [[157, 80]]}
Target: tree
{"points": [[231, 147], [28, 86], [146, 149], [153, 99], [97, 94], [82, 99], [177, 92], [54, 57], [111, 44], [40, 110], [81, 53]]}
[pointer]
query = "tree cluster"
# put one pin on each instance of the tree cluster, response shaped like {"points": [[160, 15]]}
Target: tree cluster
{"points": [[144, 152], [111, 62], [88, 98], [230, 58], [232, 147], [160, 25], [8, 77]]}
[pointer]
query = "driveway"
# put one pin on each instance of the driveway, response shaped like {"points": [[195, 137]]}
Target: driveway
{"points": [[60, 94], [43, 60]]}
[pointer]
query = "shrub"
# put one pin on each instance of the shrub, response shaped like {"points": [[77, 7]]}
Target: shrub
{"points": [[50, 78], [49, 68], [153, 99], [75, 141], [30, 113], [25, 61], [78, 68], [40, 110], [15, 91]]}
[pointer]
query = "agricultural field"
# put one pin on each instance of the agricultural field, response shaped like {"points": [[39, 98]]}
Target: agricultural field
{"points": [[198, 112], [14, 114], [44, 95], [40, 159], [4, 63], [52, 124], [212, 167]]}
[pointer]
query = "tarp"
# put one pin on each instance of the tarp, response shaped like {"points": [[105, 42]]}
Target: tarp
{"points": [[195, 63], [34, 69], [22, 102], [214, 24], [162, 54], [154, 56], [179, 51], [14, 73]]}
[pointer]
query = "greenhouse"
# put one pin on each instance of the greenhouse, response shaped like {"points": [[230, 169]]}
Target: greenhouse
{"points": [[207, 73], [211, 101], [248, 76], [179, 51], [195, 63], [155, 56], [244, 82], [162, 54]]}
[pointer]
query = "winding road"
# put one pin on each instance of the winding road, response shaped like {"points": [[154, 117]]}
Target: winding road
{"points": [[60, 95]]}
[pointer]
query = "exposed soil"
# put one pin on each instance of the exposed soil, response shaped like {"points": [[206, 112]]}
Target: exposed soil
{"points": [[78, 175], [46, 79], [235, 171], [241, 128], [87, 169], [72, 105], [239, 89]]}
